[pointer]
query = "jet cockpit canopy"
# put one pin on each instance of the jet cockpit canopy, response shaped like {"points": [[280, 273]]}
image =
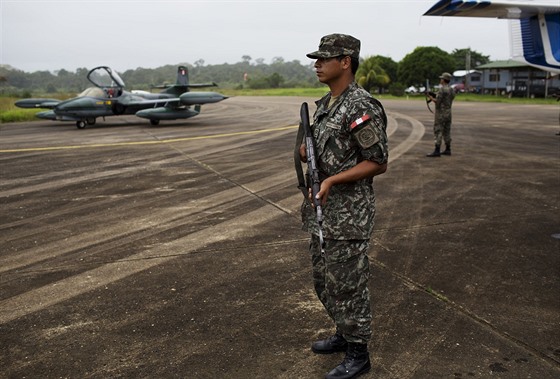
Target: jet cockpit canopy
{"points": [[105, 77]]}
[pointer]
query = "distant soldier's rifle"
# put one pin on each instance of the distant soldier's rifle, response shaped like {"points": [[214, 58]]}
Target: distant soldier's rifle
{"points": [[313, 180], [430, 93]]}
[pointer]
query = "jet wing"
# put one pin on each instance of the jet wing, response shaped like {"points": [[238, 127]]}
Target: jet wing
{"points": [[507, 9], [150, 102], [194, 85], [188, 98], [37, 103], [202, 85]]}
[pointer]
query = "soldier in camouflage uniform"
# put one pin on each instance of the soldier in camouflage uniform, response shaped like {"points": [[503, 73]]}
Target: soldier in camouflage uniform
{"points": [[442, 120], [349, 129]]}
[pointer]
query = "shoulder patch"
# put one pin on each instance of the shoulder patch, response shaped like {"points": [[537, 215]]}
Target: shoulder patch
{"points": [[364, 131], [366, 136]]}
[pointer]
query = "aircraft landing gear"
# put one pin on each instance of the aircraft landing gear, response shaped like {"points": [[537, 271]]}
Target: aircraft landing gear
{"points": [[154, 122], [88, 121]]}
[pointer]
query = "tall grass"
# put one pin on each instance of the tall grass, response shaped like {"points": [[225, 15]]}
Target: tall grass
{"points": [[10, 113]]}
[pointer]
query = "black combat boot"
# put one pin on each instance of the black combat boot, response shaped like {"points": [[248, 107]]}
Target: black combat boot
{"points": [[354, 364], [447, 150], [333, 344], [436, 152]]}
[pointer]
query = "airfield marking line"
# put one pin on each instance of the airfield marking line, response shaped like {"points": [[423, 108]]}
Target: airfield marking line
{"points": [[172, 140], [418, 130]]}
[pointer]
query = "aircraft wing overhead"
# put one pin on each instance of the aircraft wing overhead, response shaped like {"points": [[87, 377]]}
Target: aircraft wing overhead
{"points": [[534, 26], [509, 9]]}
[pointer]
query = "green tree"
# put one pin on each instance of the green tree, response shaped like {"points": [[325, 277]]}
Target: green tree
{"points": [[424, 63], [371, 75], [273, 81], [460, 56], [389, 66]]}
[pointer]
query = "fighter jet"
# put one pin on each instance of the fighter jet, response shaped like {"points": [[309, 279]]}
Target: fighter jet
{"points": [[108, 98]]}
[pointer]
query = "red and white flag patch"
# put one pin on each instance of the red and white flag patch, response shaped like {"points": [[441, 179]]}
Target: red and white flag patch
{"points": [[359, 121]]}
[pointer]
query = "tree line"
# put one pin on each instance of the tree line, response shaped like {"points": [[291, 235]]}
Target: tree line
{"points": [[376, 74]]}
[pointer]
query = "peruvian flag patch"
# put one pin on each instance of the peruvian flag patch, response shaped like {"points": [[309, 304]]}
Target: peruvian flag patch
{"points": [[359, 121]]}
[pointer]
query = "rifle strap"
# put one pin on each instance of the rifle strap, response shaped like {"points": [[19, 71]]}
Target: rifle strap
{"points": [[297, 162]]}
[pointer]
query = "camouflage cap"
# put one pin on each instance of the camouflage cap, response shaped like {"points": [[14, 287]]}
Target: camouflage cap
{"points": [[335, 45], [446, 76]]}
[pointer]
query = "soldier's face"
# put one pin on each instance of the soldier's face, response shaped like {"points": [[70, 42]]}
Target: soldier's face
{"points": [[329, 69]]}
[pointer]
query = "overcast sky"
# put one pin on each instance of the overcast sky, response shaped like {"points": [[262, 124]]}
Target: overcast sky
{"points": [[126, 34]]}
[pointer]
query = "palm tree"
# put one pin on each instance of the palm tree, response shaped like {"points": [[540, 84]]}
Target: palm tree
{"points": [[370, 75]]}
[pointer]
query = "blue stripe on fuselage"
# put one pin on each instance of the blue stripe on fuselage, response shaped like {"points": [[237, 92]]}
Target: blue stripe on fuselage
{"points": [[533, 50], [553, 27]]}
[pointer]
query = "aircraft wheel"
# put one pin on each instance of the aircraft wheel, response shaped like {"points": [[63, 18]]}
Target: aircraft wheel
{"points": [[90, 120], [154, 122], [80, 124]]}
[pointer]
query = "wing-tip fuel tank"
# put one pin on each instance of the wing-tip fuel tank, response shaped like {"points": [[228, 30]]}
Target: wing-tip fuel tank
{"points": [[192, 98], [37, 103]]}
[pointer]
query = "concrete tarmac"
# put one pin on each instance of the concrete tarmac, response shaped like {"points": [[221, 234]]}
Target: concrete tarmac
{"points": [[133, 251]]}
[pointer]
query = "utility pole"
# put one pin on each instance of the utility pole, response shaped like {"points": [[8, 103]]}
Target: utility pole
{"points": [[467, 68]]}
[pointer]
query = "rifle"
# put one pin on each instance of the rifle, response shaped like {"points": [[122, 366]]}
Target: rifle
{"points": [[428, 92], [312, 176]]}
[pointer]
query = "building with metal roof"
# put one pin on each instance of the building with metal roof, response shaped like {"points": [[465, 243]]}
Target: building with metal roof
{"points": [[514, 78]]}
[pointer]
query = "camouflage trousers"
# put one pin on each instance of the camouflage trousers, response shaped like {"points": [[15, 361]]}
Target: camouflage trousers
{"points": [[442, 131], [341, 282]]}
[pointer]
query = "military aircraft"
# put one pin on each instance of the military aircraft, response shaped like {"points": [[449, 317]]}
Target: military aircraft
{"points": [[534, 26], [108, 98]]}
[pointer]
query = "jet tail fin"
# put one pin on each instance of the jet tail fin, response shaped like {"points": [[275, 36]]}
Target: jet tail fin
{"points": [[182, 76], [182, 83]]}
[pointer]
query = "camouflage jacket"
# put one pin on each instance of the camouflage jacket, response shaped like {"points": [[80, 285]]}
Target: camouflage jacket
{"points": [[444, 100], [353, 129]]}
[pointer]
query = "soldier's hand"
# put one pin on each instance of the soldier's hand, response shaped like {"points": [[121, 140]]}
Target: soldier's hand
{"points": [[303, 153], [323, 193]]}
